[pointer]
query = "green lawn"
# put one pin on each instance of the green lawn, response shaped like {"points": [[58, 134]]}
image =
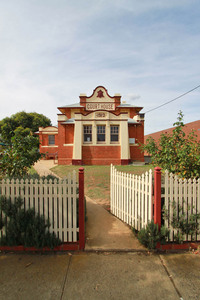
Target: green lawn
{"points": [[97, 179]]}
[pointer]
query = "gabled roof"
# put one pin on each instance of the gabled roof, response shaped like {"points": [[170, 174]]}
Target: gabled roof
{"points": [[187, 129]]}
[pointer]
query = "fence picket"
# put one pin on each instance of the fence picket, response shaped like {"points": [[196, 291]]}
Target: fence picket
{"points": [[75, 202], [198, 202], [133, 201], [133, 197], [142, 201], [150, 203], [186, 196], [55, 200]]}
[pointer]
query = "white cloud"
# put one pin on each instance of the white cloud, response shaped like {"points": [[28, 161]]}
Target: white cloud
{"points": [[148, 51]]}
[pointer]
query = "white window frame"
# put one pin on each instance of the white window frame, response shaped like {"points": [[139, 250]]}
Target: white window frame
{"points": [[50, 141], [114, 133], [87, 131], [101, 130]]}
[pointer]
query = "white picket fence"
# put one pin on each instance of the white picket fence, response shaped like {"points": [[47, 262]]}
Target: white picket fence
{"points": [[131, 197], [56, 200], [186, 195]]}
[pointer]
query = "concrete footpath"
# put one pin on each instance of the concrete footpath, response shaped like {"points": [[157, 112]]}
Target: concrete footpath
{"points": [[105, 275], [43, 167]]}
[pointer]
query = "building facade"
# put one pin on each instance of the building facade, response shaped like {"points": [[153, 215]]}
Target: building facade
{"points": [[99, 130]]}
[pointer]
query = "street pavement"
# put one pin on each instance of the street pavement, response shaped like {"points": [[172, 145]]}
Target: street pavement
{"points": [[105, 275]]}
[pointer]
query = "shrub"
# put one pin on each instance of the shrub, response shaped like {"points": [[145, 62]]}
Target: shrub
{"points": [[25, 227], [176, 152], [150, 235], [185, 223]]}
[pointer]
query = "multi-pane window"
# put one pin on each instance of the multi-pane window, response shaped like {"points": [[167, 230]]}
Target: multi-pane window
{"points": [[87, 133], [101, 133], [51, 139], [114, 133]]}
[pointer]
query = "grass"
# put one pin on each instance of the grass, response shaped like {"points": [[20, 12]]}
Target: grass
{"points": [[32, 171], [97, 179]]}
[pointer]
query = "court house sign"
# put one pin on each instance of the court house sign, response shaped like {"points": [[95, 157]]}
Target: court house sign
{"points": [[100, 106]]}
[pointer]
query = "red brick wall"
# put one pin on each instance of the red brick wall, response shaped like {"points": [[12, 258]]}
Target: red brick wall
{"points": [[65, 155], [50, 152], [69, 134], [61, 134], [101, 155], [44, 141], [68, 113], [132, 131], [136, 154], [65, 136], [132, 112], [137, 132]]}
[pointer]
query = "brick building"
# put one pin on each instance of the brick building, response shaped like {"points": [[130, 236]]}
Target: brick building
{"points": [[98, 130]]}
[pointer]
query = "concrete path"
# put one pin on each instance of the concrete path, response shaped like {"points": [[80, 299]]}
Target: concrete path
{"points": [[99, 276], [43, 167], [106, 232]]}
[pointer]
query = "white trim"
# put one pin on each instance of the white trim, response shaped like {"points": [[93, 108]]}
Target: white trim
{"points": [[68, 144], [53, 146], [107, 145]]}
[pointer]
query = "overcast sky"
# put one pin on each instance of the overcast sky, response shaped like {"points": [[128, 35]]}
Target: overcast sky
{"points": [[146, 50]]}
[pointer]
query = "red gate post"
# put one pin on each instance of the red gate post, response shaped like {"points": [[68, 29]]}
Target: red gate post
{"points": [[81, 210], [157, 196]]}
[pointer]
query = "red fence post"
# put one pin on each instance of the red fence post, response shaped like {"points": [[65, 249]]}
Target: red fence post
{"points": [[81, 210], [157, 196]]}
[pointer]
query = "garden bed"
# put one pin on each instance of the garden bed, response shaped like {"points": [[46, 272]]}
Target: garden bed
{"points": [[62, 247], [183, 246]]}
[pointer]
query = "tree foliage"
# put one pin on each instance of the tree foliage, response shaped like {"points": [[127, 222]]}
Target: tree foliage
{"points": [[18, 156], [21, 147], [176, 152], [32, 121]]}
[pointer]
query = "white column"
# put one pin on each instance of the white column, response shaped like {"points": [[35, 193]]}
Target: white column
{"points": [[94, 133], [78, 140], [107, 133], [124, 140]]}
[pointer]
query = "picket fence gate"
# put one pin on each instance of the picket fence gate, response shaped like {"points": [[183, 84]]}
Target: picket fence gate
{"points": [[131, 197], [57, 200], [183, 196]]}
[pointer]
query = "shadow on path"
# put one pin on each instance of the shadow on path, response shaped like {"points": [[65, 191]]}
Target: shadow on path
{"points": [[105, 232]]}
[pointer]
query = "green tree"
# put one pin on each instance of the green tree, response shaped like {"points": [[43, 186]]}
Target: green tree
{"points": [[176, 152], [18, 156], [32, 121]]}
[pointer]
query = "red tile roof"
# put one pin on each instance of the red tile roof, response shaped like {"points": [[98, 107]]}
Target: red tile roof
{"points": [[187, 129]]}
